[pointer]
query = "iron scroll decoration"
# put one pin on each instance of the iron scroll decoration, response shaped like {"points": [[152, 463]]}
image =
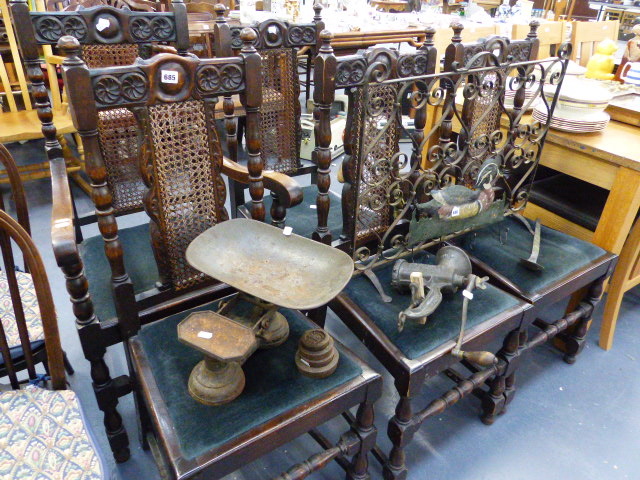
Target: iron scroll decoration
{"points": [[408, 186]]}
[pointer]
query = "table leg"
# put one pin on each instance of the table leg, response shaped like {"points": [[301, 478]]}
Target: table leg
{"points": [[619, 212], [616, 220]]}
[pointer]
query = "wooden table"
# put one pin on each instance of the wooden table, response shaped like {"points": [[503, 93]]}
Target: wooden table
{"points": [[352, 41], [608, 159]]}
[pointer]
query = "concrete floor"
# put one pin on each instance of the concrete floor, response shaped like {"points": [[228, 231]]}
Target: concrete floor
{"points": [[566, 422]]}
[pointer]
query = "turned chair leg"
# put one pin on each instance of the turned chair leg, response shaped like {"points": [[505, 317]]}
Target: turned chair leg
{"points": [[359, 469], [494, 401], [576, 339], [278, 212], [510, 381], [400, 434]]}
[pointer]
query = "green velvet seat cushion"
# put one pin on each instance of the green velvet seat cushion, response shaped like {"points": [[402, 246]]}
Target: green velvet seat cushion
{"points": [[303, 218], [273, 385], [560, 254], [138, 261], [442, 325]]}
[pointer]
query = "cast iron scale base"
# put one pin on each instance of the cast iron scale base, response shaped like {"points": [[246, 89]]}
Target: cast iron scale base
{"points": [[270, 270]]}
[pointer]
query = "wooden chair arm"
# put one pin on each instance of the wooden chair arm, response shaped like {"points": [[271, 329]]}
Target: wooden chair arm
{"points": [[288, 191], [63, 236]]}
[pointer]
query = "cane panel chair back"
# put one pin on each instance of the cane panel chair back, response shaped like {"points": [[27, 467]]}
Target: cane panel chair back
{"points": [[397, 202], [372, 135], [173, 98], [109, 37], [278, 44]]}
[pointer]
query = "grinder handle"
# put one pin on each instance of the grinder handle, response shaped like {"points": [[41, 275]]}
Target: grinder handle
{"points": [[427, 306]]}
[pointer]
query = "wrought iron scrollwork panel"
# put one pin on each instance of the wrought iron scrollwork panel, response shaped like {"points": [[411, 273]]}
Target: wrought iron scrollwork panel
{"points": [[472, 164]]}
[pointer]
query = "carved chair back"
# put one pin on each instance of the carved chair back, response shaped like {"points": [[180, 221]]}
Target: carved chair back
{"points": [[173, 98], [396, 202], [278, 44], [372, 134], [26, 293], [109, 37]]}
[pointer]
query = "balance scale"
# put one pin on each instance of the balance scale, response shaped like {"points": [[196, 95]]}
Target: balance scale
{"points": [[270, 269]]}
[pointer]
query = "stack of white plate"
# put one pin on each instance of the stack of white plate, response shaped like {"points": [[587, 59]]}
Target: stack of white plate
{"points": [[580, 107], [595, 122]]}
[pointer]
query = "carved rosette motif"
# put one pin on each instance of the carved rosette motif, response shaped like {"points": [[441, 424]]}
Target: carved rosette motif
{"points": [[113, 90], [49, 28], [350, 72], [133, 86], [302, 35], [76, 27], [140, 28], [412, 65], [212, 79], [519, 51], [163, 29], [236, 41]]}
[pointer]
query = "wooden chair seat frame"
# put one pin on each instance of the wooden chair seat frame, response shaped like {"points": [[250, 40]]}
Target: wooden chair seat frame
{"points": [[570, 330], [357, 442], [202, 80]]}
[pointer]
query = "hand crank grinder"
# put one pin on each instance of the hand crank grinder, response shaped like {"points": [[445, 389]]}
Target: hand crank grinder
{"points": [[451, 271]]}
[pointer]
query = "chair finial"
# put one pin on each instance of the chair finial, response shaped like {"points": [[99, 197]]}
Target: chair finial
{"points": [[325, 38], [317, 8], [248, 37], [70, 47], [533, 29], [457, 28], [429, 32], [220, 10]]}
